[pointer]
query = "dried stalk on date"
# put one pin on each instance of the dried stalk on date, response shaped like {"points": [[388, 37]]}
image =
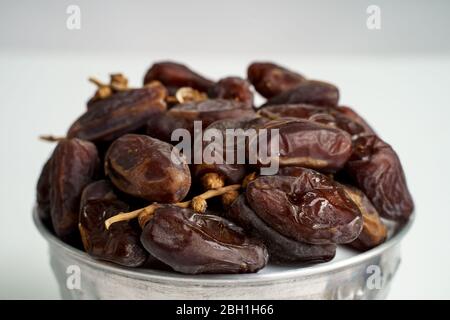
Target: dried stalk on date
{"points": [[118, 82], [198, 204]]}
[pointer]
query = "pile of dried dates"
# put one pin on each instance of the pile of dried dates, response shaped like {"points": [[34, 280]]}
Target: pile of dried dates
{"points": [[115, 187]]}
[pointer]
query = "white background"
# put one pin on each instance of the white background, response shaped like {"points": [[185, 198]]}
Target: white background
{"points": [[397, 77]]}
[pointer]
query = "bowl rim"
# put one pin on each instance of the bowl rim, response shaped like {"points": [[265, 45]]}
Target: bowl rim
{"points": [[213, 279]]}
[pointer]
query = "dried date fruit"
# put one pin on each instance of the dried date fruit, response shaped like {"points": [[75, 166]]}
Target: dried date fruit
{"points": [[120, 243], [139, 215], [309, 144], [175, 75], [281, 249], [198, 243], [211, 110], [143, 167], [43, 192], [342, 117], [310, 92], [377, 171], [270, 79], [74, 165], [233, 88], [308, 207], [374, 231], [124, 112]]}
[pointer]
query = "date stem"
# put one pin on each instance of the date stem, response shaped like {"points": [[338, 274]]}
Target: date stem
{"points": [[51, 138], [198, 204]]}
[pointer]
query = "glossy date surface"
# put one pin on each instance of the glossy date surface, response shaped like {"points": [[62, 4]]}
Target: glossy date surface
{"points": [[120, 244], [211, 110], [310, 92], [73, 166], [270, 79], [201, 243], [376, 169], [281, 248], [307, 207], [374, 231], [124, 112], [310, 144], [143, 167], [176, 75]]}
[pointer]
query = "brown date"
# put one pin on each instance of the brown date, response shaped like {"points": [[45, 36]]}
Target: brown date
{"points": [[281, 248], [124, 112], [233, 88], [310, 92], [308, 207], [120, 243], [142, 167], [310, 144], [211, 110], [175, 75], [374, 231], [43, 192], [377, 171], [201, 243], [340, 117], [74, 165], [270, 79]]}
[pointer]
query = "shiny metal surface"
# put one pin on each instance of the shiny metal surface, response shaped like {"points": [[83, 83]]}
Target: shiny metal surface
{"points": [[350, 275]]}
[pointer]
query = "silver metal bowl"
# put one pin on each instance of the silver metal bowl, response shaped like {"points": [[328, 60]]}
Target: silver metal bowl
{"points": [[350, 275]]}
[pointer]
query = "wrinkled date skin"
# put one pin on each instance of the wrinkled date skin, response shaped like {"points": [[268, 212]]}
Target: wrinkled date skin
{"points": [[175, 75], [232, 172], [120, 244], [310, 92], [43, 191], [374, 231], [310, 144], [281, 249], [233, 88], [124, 112], [270, 79], [342, 117], [200, 243], [74, 165], [377, 171], [308, 207], [142, 167], [211, 110]]}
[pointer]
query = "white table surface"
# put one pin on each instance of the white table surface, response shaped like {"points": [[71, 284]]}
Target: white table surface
{"points": [[407, 100]]}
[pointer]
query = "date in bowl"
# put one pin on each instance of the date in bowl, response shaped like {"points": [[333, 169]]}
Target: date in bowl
{"points": [[350, 275]]}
